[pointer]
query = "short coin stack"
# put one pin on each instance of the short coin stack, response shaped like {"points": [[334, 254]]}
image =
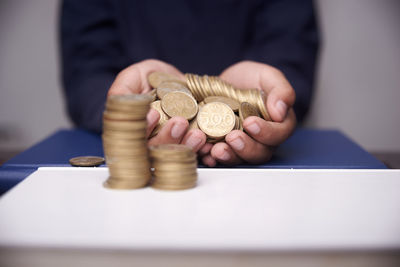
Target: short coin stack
{"points": [[210, 104], [175, 167], [124, 141]]}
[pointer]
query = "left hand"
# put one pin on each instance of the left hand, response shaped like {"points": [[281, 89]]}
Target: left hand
{"points": [[257, 146]]}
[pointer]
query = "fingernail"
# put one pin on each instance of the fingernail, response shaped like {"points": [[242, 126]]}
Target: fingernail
{"points": [[237, 143], [282, 108], [177, 130], [225, 156], [193, 141], [253, 128]]}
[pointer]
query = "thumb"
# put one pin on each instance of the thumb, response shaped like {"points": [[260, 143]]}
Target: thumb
{"points": [[281, 98]]}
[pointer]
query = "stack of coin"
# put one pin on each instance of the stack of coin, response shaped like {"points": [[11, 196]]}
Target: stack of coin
{"points": [[124, 141], [175, 167]]}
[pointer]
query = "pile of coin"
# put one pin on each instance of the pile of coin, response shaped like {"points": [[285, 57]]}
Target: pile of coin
{"points": [[204, 86], [210, 104], [174, 167], [125, 142]]}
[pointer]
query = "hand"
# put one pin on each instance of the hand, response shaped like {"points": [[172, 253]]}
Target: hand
{"points": [[133, 79], [256, 146]]}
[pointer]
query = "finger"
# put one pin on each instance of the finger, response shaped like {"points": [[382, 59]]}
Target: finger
{"points": [[133, 79], [268, 132], [171, 133], [152, 119], [281, 97], [209, 161], [205, 149], [195, 139], [247, 148], [224, 154]]}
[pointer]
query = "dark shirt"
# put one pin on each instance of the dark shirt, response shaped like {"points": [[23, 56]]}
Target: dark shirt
{"points": [[99, 38]]}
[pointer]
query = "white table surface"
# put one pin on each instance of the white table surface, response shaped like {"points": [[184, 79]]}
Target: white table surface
{"points": [[230, 209]]}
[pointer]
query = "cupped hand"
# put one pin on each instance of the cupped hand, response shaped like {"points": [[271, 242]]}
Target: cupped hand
{"points": [[133, 80], [257, 143]]}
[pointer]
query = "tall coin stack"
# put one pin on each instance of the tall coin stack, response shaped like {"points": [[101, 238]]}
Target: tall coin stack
{"points": [[175, 167], [124, 141]]}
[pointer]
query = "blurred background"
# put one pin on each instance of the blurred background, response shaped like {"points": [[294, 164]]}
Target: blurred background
{"points": [[357, 85]]}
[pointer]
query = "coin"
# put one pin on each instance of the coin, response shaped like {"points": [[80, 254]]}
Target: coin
{"points": [[129, 100], [179, 104], [113, 184], [124, 125], [163, 117], [193, 124], [203, 87], [86, 161], [175, 167], [121, 115], [167, 87], [247, 110], [216, 119], [232, 103], [153, 94], [156, 78], [124, 141]]}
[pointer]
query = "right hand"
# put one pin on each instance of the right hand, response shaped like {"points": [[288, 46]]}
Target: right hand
{"points": [[133, 80]]}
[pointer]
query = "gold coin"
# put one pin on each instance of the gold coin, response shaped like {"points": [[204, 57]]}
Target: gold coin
{"points": [[216, 119], [171, 158], [179, 104], [193, 124], [86, 161], [214, 140], [109, 151], [174, 166], [111, 134], [167, 87], [130, 100], [156, 78], [153, 94], [174, 175], [139, 111], [124, 143], [136, 163], [112, 184], [237, 122], [167, 182], [232, 103], [168, 152], [132, 174], [162, 91], [163, 117], [247, 110], [124, 125], [261, 106], [123, 115]]}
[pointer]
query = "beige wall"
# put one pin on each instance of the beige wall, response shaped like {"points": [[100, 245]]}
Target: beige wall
{"points": [[358, 86], [31, 104]]}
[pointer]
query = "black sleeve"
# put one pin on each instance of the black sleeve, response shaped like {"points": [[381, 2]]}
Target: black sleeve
{"points": [[91, 58], [285, 36]]}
